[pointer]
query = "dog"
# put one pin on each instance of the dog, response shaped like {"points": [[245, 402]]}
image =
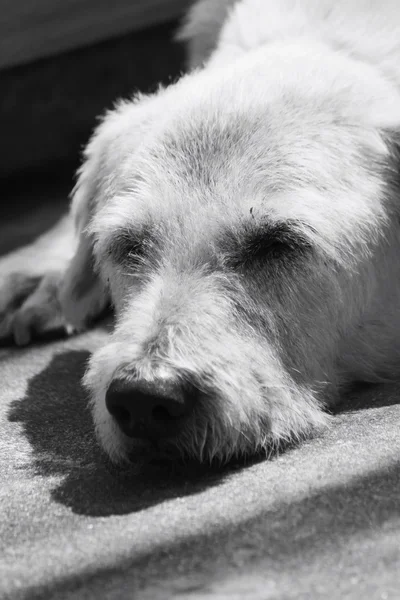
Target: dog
{"points": [[243, 222]]}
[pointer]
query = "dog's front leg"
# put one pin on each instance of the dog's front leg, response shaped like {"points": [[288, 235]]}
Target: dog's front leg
{"points": [[49, 284], [30, 279]]}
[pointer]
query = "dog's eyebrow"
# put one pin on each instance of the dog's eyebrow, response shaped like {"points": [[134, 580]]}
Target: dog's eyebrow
{"points": [[128, 243], [267, 241]]}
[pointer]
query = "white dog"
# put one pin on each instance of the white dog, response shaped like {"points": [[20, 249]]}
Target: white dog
{"points": [[244, 224]]}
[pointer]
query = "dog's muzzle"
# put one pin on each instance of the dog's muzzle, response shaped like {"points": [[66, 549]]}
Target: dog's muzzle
{"points": [[150, 410]]}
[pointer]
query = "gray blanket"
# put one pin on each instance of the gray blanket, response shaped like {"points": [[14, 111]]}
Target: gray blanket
{"points": [[319, 521]]}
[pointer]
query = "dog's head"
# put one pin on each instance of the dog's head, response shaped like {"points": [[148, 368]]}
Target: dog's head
{"points": [[238, 238]]}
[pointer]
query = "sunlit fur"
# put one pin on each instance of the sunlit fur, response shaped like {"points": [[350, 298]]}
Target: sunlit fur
{"points": [[289, 118]]}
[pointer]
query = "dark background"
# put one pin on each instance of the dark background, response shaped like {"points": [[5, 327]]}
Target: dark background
{"points": [[49, 104]]}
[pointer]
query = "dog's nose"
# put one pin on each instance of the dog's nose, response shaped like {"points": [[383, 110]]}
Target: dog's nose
{"points": [[150, 409]]}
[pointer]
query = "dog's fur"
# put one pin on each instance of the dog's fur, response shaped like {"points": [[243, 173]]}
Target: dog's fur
{"points": [[244, 223]]}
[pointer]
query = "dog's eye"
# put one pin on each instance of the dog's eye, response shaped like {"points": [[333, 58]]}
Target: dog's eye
{"points": [[270, 243], [127, 246]]}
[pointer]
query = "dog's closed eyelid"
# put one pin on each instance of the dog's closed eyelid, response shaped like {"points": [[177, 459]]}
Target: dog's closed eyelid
{"points": [[268, 241], [125, 246]]}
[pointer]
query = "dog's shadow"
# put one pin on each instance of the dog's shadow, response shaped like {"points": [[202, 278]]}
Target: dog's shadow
{"points": [[57, 423]]}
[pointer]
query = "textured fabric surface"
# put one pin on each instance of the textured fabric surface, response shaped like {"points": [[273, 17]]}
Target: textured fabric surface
{"points": [[319, 521]]}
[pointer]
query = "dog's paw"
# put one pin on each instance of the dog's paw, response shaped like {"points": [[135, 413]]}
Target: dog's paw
{"points": [[29, 306]]}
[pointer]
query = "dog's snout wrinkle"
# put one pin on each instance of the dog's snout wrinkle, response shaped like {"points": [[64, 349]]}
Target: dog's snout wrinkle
{"points": [[149, 409]]}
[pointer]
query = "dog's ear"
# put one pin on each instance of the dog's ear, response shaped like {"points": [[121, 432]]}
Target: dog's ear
{"points": [[83, 295]]}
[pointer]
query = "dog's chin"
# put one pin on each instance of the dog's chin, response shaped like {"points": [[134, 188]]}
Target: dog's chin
{"points": [[170, 454], [149, 454], [135, 453], [194, 445]]}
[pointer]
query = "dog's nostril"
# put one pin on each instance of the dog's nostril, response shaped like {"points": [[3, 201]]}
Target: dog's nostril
{"points": [[162, 414], [121, 414], [143, 409]]}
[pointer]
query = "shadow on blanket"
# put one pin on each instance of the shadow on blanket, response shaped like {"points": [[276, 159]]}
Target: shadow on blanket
{"points": [[320, 527], [321, 523]]}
